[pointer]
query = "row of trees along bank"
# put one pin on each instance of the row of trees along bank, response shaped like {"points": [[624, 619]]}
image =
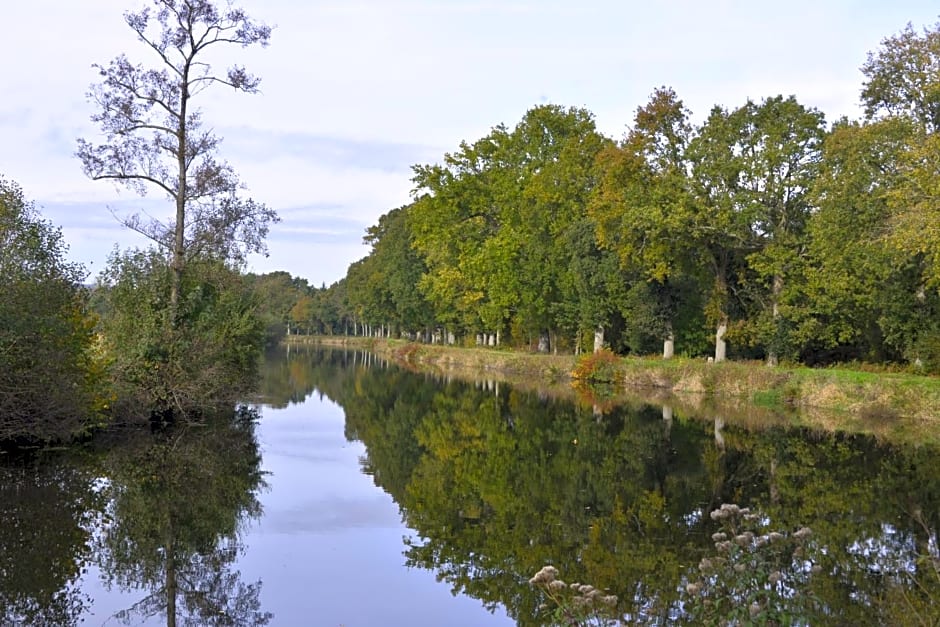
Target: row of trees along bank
{"points": [[168, 332], [761, 228]]}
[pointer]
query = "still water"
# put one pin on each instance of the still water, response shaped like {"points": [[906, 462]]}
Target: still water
{"points": [[365, 495]]}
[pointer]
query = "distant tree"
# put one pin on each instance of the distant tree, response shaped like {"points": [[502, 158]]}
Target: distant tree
{"points": [[456, 224], [277, 293], [552, 152], [778, 145], [591, 288], [154, 138], [47, 371], [491, 221], [402, 268], [855, 281], [302, 314]]}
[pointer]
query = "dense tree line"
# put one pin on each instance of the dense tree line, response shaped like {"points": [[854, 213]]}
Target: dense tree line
{"points": [[761, 226]]}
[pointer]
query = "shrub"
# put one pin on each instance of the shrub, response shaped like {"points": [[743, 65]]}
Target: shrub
{"points": [[49, 374], [206, 359], [602, 366]]}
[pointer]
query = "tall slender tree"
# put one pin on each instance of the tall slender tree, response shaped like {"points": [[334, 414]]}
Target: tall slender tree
{"points": [[154, 138]]}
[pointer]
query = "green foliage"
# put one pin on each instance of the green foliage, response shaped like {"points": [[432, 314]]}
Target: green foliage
{"points": [[493, 221], [649, 311], [277, 294], [857, 294], [50, 383], [204, 360], [915, 207], [641, 207], [926, 350], [902, 80], [381, 288]]}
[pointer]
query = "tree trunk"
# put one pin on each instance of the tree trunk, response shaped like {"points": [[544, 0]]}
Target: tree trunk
{"points": [[721, 299], [719, 436], [544, 344], [721, 347], [598, 338], [171, 583], [774, 489], [777, 289], [669, 345], [179, 230]]}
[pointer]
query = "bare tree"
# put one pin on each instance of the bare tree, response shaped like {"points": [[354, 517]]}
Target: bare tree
{"points": [[154, 138]]}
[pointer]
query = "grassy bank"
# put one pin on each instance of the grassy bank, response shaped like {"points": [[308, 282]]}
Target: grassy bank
{"points": [[548, 373], [896, 406]]}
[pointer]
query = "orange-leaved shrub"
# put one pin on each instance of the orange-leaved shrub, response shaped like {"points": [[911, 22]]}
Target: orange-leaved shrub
{"points": [[602, 366]]}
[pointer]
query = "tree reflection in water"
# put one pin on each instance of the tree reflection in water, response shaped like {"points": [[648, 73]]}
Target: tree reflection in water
{"points": [[179, 500], [498, 483], [47, 506]]}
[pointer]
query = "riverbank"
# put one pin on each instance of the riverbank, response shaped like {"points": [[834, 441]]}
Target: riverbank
{"points": [[891, 405]]}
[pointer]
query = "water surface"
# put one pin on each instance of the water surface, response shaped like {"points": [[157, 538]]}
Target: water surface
{"points": [[369, 495]]}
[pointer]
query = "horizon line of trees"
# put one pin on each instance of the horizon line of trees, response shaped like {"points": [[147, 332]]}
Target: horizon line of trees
{"points": [[760, 233]]}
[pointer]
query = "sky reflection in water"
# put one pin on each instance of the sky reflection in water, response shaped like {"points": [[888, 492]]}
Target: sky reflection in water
{"points": [[329, 548]]}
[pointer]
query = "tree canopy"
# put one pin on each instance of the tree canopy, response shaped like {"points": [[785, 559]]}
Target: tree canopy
{"points": [[761, 226]]}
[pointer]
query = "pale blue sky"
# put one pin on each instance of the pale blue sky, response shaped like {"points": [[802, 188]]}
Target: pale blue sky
{"points": [[355, 92]]}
